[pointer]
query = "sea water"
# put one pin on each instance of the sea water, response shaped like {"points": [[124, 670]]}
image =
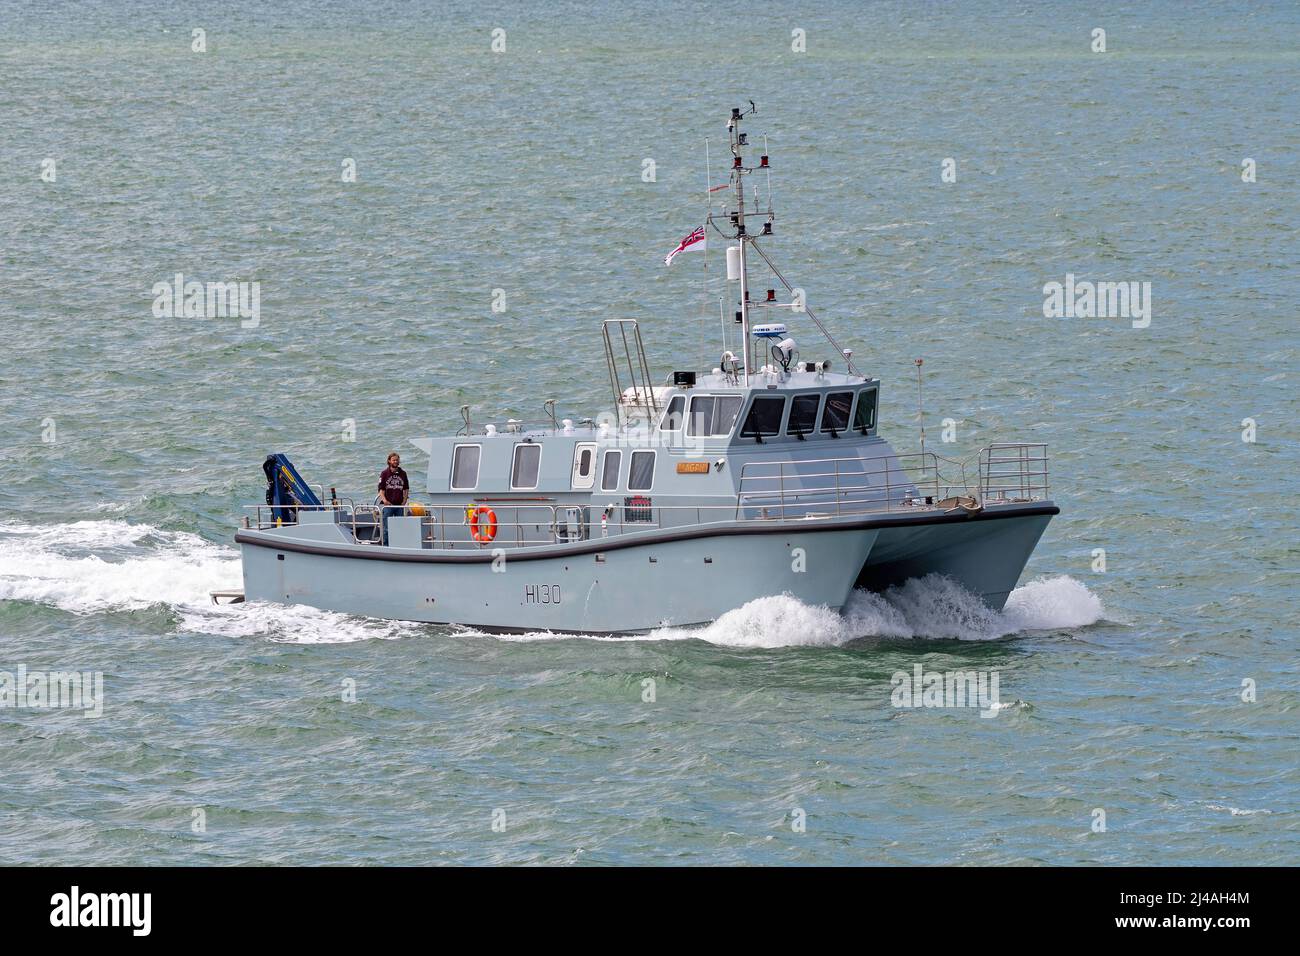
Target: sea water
{"points": [[431, 223]]}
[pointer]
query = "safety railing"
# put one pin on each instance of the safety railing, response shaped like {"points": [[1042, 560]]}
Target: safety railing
{"points": [[263, 517], [509, 526], [782, 490], [553, 425], [365, 523], [638, 399], [1009, 472], [840, 486], [517, 426], [1013, 472]]}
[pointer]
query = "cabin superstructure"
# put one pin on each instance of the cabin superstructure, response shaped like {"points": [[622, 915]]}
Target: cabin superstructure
{"points": [[699, 483], [705, 445]]}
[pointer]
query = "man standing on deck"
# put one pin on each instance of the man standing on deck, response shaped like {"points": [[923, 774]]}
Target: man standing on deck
{"points": [[394, 489]]}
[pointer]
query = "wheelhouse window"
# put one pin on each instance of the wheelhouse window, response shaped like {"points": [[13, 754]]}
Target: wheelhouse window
{"points": [[523, 474], [609, 470], [641, 473], [673, 417], [803, 414], [764, 417], [724, 414], [701, 415], [835, 413], [865, 418], [464, 467], [713, 415]]}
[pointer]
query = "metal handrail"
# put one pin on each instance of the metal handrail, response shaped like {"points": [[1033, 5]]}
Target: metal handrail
{"points": [[348, 518], [518, 426], [637, 366], [896, 481], [1016, 471], [853, 486]]}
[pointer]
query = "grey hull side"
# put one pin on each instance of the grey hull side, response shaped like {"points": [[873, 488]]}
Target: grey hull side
{"points": [[984, 556], [622, 590]]}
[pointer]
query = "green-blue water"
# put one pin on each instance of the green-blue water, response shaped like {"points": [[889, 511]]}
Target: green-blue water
{"points": [[128, 443]]}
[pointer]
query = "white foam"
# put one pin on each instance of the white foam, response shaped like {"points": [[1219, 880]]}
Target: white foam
{"points": [[1237, 811], [1052, 603], [1008, 705], [930, 607], [290, 623], [778, 621], [938, 607], [90, 567]]}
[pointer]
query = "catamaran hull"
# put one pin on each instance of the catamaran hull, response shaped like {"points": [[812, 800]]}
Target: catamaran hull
{"points": [[617, 590], [985, 553], [617, 586]]}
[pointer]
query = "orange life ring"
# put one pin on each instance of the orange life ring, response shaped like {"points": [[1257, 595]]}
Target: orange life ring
{"points": [[485, 531]]}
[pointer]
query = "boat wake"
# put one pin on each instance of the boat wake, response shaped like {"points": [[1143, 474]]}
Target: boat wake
{"points": [[107, 566], [93, 567]]}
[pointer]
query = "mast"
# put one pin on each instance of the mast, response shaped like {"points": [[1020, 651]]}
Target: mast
{"points": [[744, 239], [738, 220]]}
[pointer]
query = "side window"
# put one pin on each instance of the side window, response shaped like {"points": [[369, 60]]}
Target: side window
{"points": [[701, 420], [865, 418], [803, 414], [464, 467], [835, 414], [673, 417], [724, 414], [523, 474], [764, 417], [641, 473], [609, 471]]}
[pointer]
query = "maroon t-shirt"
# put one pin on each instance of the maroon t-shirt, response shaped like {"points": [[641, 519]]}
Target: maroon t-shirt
{"points": [[393, 482]]}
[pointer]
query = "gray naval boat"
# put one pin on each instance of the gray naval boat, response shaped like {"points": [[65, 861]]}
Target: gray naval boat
{"points": [[764, 476]]}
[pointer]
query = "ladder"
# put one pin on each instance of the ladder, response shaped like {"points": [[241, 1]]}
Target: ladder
{"points": [[625, 335]]}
